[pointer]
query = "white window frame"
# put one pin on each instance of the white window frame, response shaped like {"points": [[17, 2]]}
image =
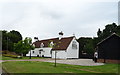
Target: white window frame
{"points": [[74, 45], [41, 45]]}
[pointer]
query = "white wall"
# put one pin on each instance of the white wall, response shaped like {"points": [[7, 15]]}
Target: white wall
{"points": [[45, 52], [61, 54], [73, 53], [35, 52]]}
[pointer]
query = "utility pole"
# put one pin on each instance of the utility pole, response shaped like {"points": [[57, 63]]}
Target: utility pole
{"points": [[55, 58], [30, 50], [30, 54]]}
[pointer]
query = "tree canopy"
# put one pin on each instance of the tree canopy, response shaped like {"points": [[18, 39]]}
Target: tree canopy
{"points": [[23, 46], [109, 29], [9, 38], [88, 45]]}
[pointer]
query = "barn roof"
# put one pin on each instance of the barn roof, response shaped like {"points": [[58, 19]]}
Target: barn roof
{"points": [[114, 34], [61, 44]]}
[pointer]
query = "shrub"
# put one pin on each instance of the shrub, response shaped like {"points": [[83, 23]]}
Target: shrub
{"points": [[9, 55]]}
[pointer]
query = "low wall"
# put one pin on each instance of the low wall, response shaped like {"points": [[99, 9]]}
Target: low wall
{"points": [[108, 61]]}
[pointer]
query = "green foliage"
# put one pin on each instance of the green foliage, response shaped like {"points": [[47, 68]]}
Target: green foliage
{"points": [[23, 46], [9, 38], [95, 41], [86, 46], [14, 36], [99, 33], [9, 55], [109, 29], [18, 58]]}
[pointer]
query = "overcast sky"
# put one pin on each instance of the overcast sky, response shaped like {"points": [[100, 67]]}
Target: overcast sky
{"points": [[46, 18]]}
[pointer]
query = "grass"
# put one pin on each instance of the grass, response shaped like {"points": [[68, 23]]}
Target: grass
{"points": [[45, 67], [10, 58]]}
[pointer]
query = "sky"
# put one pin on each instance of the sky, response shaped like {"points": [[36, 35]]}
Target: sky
{"points": [[46, 18]]}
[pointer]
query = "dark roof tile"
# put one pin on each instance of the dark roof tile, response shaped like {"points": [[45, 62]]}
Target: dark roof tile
{"points": [[59, 44]]}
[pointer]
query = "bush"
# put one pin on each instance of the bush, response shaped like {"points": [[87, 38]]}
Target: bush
{"points": [[9, 55]]}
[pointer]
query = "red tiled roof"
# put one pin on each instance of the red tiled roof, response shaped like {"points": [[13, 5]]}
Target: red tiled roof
{"points": [[59, 44]]}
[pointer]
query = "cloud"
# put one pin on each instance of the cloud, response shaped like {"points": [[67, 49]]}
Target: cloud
{"points": [[46, 18]]}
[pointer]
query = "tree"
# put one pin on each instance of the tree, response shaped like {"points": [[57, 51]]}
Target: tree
{"points": [[15, 36], [23, 46], [4, 40], [99, 32], [86, 46], [118, 30], [9, 38], [109, 29]]}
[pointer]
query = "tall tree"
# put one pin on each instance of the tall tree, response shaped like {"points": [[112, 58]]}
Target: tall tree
{"points": [[99, 33], [86, 47], [118, 30], [9, 38], [4, 40], [23, 46], [109, 29], [15, 36]]}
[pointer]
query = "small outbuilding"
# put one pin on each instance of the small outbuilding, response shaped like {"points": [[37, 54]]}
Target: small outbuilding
{"points": [[109, 49]]}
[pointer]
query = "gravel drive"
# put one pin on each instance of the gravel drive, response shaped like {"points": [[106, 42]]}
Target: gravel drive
{"points": [[83, 62]]}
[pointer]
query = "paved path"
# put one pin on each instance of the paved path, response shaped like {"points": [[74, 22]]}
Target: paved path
{"points": [[83, 62]]}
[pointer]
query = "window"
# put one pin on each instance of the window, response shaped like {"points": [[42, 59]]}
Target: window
{"points": [[41, 45], [40, 51], [74, 45], [51, 44], [33, 52]]}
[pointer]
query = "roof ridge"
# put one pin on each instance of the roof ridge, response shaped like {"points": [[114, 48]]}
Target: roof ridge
{"points": [[108, 37], [55, 38]]}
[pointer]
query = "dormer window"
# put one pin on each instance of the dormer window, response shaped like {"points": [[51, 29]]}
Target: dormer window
{"points": [[51, 44], [74, 45], [41, 45], [33, 52], [33, 45]]}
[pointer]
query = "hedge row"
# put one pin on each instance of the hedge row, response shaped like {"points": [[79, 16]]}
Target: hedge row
{"points": [[9, 55]]}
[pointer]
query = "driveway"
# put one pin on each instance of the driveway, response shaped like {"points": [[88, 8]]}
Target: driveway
{"points": [[83, 62]]}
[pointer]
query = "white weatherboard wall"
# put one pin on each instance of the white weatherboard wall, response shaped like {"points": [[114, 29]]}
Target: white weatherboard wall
{"points": [[73, 53], [35, 52], [45, 52], [61, 54]]}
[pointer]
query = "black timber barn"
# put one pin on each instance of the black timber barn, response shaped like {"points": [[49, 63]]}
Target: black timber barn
{"points": [[109, 49]]}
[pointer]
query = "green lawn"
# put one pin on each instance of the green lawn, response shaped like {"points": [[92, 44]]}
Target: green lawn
{"points": [[10, 58], [45, 67]]}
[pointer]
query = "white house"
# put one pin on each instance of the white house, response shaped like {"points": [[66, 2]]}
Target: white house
{"points": [[65, 47]]}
